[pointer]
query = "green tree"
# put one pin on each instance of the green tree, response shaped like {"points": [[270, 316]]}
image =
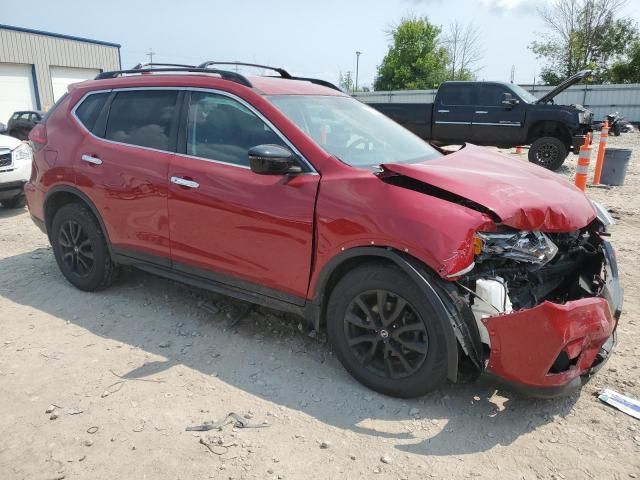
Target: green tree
{"points": [[415, 60], [628, 70], [582, 34]]}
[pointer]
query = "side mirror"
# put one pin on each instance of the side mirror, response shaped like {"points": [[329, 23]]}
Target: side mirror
{"points": [[272, 160], [509, 101]]}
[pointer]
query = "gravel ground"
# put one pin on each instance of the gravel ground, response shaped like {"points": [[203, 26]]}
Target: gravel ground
{"points": [[102, 386]]}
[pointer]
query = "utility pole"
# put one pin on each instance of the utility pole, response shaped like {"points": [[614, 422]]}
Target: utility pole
{"points": [[513, 72], [357, 70], [150, 54]]}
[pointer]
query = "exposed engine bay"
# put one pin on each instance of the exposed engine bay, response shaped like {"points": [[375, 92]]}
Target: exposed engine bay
{"points": [[534, 267]]}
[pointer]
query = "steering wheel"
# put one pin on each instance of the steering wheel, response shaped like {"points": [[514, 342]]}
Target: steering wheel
{"points": [[356, 143]]}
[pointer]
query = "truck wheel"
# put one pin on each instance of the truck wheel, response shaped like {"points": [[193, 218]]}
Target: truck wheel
{"points": [[16, 202], [80, 248], [386, 333], [548, 152]]}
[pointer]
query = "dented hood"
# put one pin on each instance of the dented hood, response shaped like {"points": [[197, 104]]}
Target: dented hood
{"points": [[524, 196]]}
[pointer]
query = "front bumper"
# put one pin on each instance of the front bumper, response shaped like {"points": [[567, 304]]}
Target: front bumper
{"points": [[526, 344]]}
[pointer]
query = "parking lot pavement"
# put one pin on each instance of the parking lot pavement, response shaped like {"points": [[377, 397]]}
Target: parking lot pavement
{"points": [[103, 385]]}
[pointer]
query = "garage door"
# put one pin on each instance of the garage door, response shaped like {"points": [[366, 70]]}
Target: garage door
{"points": [[62, 77], [16, 89]]}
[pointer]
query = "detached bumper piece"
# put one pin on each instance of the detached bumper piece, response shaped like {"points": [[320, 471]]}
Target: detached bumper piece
{"points": [[548, 350]]}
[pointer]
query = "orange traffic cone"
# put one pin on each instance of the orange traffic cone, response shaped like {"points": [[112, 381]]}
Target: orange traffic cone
{"points": [[604, 135], [583, 163]]}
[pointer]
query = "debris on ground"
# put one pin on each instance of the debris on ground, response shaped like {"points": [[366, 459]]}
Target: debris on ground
{"points": [[625, 404], [238, 421], [216, 445], [325, 444], [208, 307]]}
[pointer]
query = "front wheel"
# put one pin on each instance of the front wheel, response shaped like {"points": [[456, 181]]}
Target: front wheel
{"points": [[548, 152], [386, 333]]}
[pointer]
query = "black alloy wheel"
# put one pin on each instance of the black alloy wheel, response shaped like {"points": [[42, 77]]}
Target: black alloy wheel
{"points": [[77, 250], [81, 249], [548, 152], [389, 332], [385, 334]]}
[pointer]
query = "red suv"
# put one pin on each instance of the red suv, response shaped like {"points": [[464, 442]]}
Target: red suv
{"points": [[423, 265]]}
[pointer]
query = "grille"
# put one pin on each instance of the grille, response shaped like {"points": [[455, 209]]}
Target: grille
{"points": [[5, 159]]}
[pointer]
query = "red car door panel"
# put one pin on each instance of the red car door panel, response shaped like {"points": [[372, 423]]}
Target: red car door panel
{"points": [[243, 226], [125, 173]]}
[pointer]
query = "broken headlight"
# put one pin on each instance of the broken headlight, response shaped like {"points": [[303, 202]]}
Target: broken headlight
{"points": [[522, 246]]}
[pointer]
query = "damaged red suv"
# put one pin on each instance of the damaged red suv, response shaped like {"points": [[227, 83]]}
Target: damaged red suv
{"points": [[422, 265]]}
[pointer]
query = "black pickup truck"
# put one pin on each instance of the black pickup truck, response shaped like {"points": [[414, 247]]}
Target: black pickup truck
{"points": [[498, 114]]}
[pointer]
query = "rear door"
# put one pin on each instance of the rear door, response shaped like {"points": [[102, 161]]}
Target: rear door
{"points": [[122, 165], [495, 123], [453, 112], [229, 224]]}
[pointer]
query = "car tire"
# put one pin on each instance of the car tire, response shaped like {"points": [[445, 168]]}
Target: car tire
{"points": [[80, 248], [16, 202], [548, 152], [404, 358], [616, 130]]}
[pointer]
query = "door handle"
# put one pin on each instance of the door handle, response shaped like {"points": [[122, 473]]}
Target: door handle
{"points": [[443, 111], [481, 111], [91, 159], [183, 182]]}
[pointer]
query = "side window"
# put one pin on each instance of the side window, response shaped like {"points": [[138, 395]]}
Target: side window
{"points": [[24, 116], [220, 128], [142, 117], [459, 94], [90, 108], [491, 95]]}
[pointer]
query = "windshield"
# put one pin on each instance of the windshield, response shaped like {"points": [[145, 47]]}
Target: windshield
{"points": [[523, 94], [355, 133]]}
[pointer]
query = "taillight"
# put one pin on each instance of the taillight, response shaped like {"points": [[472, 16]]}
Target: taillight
{"points": [[38, 136]]}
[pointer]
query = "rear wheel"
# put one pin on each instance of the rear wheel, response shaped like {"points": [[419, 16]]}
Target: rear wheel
{"points": [[386, 333], [80, 248], [548, 152], [16, 202]]}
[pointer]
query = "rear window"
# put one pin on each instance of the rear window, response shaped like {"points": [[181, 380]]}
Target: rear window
{"points": [[142, 118], [456, 94], [90, 108]]}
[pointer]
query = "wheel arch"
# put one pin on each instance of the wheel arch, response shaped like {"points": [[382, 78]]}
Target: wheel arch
{"points": [[61, 195], [414, 268], [549, 128]]}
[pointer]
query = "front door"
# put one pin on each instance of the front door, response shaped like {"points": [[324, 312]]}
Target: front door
{"points": [[229, 224], [495, 123]]}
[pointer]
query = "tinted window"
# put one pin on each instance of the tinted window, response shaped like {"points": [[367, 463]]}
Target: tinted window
{"points": [[220, 128], [456, 94], [90, 108], [491, 95], [142, 118]]}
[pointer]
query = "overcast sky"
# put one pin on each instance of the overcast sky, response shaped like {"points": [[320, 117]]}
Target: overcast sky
{"points": [[311, 38]]}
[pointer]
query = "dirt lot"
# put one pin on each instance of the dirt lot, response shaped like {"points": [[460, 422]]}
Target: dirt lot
{"points": [[127, 369]]}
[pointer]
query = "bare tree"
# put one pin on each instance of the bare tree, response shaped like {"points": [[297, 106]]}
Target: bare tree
{"points": [[582, 34], [464, 49]]}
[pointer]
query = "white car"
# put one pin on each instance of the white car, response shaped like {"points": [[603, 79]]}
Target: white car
{"points": [[15, 169]]}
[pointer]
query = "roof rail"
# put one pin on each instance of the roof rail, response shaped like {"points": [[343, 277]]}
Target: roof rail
{"points": [[281, 71], [142, 68], [318, 81], [151, 65], [226, 75]]}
